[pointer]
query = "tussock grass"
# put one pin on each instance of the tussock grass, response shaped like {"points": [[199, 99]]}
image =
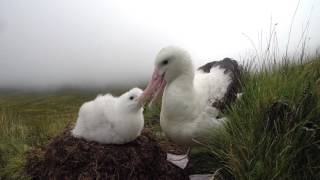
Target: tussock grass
{"points": [[273, 131]]}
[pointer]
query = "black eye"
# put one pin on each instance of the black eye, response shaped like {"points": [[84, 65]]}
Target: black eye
{"points": [[131, 97], [165, 62]]}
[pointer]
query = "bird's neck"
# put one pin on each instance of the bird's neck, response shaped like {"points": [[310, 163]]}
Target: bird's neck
{"points": [[184, 81], [179, 98]]}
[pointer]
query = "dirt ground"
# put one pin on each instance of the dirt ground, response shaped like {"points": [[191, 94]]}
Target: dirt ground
{"points": [[67, 157]]}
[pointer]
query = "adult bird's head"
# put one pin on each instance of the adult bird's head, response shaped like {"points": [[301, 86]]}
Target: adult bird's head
{"points": [[170, 63]]}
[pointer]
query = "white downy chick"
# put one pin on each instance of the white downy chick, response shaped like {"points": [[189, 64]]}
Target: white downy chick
{"points": [[111, 120]]}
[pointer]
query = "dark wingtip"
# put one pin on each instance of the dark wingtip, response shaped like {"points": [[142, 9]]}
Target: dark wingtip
{"points": [[231, 67]]}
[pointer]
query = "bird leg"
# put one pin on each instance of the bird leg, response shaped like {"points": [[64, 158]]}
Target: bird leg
{"points": [[179, 160], [185, 155]]}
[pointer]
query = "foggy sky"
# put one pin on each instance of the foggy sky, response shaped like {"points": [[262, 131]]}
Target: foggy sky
{"points": [[46, 43]]}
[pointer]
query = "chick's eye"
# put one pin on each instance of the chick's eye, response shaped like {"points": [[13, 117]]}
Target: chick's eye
{"points": [[165, 62], [131, 97]]}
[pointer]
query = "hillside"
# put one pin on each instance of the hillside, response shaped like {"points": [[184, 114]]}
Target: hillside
{"points": [[273, 130]]}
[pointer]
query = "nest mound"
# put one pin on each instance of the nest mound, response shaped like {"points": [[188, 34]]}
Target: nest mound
{"points": [[67, 157]]}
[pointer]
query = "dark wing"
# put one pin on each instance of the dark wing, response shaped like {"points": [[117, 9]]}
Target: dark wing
{"points": [[234, 70]]}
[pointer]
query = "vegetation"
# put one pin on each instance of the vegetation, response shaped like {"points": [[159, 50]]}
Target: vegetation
{"points": [[274, 129], [273, 132], [30, 120]]}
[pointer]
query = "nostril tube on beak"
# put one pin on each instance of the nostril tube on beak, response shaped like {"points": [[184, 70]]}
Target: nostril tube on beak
{"points": [[154, 76], [152, 87]]}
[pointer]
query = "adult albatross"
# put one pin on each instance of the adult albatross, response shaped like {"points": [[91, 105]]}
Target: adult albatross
{"points": [[192, 99]]}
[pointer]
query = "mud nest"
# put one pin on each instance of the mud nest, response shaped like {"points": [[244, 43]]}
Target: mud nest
{"points": [[67, 157]]}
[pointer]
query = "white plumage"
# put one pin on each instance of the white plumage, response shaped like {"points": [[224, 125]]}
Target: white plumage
{"points": [[213, 85], [190, 96], [111, 120]]}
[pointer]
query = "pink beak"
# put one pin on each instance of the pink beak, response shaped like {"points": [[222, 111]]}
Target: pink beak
{"points": [[154, 88]]}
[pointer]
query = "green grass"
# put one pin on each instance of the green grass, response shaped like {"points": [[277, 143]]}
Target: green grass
{"points": [[256, 144], [274, 130], [30, 120]]}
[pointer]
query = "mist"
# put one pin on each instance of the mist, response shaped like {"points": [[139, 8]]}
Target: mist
{"points": [[52, 44]]}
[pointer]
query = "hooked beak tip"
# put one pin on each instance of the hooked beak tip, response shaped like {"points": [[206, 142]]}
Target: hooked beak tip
{"points": [[141, 100]]}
